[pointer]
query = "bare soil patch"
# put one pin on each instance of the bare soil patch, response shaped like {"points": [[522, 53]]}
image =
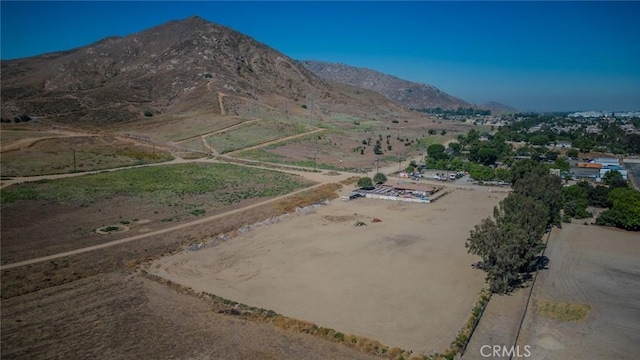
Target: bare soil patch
{"points": [[589, 267], [407, 281]]}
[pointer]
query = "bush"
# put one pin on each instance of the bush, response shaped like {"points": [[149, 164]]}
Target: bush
{"points": [[379, 178], [394, 121], [365, 183], [148, 114]]}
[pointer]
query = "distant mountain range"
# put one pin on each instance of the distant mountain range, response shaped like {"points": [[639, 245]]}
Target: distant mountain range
{"points": [[186, 66], [497, 107], [409, 94]]}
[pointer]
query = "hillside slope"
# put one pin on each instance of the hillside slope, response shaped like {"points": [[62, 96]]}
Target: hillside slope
{"points": [[174, 68]]}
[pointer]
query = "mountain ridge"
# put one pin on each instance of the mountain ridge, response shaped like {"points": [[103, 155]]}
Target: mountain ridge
{"points": [[411, 95], [172, 68]]}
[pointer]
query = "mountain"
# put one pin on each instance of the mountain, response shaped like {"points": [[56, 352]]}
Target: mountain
{"points": [[406, 93], [498, 108], [180, 66]]}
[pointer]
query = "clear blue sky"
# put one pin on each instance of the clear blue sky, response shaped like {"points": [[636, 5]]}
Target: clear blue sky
{"points": [[541, 56]]}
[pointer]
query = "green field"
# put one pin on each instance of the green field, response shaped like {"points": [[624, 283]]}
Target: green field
{"points": [[221, 183], [254, 134]]}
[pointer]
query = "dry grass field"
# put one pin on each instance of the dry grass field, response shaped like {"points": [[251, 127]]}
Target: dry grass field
{"points": [[126, 316], [586, 305], [348, 150], [166, 128], [56, 155], [406, 281]]}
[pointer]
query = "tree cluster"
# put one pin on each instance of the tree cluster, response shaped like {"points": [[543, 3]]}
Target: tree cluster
{"points": [[624, 209], [623, 203], [510, 243]]}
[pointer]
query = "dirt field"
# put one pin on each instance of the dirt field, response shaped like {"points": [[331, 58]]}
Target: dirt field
{"points": [[406, 281], [594, 266], [121, 316]]}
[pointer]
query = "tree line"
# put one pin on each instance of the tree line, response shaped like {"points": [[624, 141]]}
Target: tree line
{"points": [[510, 243]]}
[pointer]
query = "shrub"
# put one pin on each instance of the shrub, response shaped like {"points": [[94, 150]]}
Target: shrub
{"points": [[148, 114], [365, 183], [394, 121], [379, 178]]}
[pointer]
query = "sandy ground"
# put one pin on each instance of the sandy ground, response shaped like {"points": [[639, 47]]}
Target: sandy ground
{"points": [[595, 266], [406, 281]]}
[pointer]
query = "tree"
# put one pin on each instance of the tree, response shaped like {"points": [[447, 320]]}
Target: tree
{"points": [[572, 153], [434, 149], [625, 210], [503, 175], [539, 140], [633, 143], [365, 183], [614, 179], [455, 147], [378, 178], [510, 244], [533, 179], [576, 200], [562, 164]]}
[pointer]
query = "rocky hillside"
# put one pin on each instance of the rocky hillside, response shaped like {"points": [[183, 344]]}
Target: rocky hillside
{"points": [[406, 93], [176, 67]]}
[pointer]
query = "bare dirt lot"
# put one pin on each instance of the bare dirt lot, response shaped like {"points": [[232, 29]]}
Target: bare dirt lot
{"points": [[592, 266], [406, 281]]}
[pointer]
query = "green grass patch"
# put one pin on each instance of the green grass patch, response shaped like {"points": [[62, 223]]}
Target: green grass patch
{"points": [[563, 310], [198, 212], [425, 142], [220, 183]]}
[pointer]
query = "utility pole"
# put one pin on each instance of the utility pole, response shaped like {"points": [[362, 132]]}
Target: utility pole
{"points": [[315, 154], [256, 99], [75, 169], [310, 97]]}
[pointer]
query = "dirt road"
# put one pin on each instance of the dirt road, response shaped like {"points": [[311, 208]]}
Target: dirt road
{"points": [[151, 233]]}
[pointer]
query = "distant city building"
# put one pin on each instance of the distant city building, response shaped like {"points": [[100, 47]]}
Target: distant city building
{"points": [[599, 114]]}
